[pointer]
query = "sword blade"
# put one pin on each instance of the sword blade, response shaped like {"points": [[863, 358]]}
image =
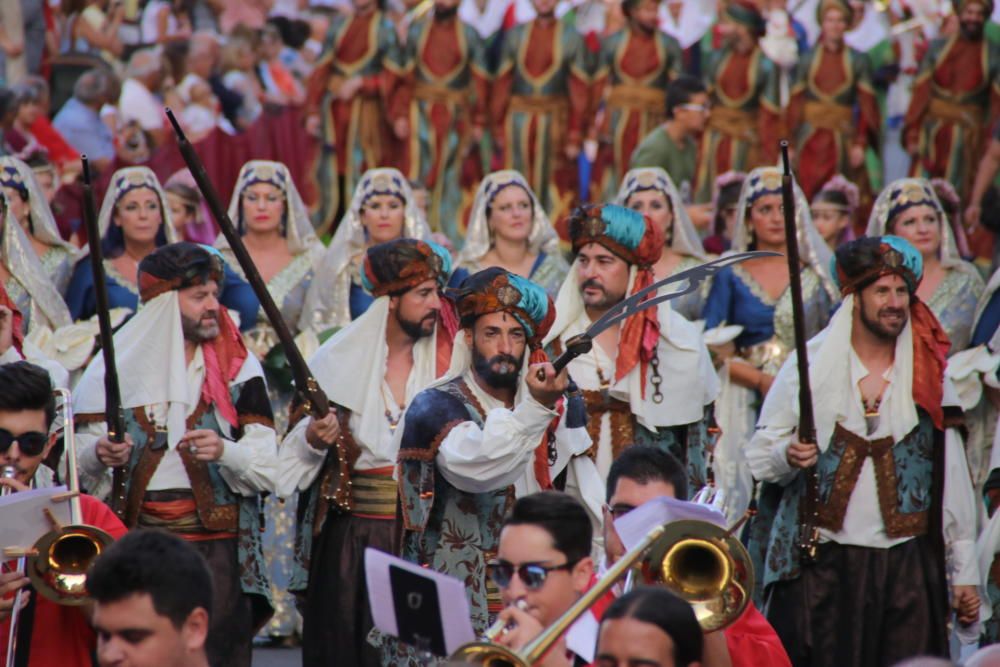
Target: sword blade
{"points": [[638, 302]]}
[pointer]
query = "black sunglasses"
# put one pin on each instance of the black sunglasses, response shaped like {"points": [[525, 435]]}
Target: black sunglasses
{"points": [[532, 575], [30, 443]]}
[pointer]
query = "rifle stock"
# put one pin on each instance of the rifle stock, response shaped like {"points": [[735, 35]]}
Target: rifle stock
{"points": [[317, 403], [114, 415], [808, 532]]}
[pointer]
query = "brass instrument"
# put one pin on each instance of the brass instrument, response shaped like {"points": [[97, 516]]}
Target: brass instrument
{"points": [[61, 558], [698, 561], [8, 473], [500, 626]]}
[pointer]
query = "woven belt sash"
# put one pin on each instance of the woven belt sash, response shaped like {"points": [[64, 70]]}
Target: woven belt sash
{"points": [[176, 512], [833, 117], [440, 94], [969, 116], [637, 97], [734, 122], [374, 494]]}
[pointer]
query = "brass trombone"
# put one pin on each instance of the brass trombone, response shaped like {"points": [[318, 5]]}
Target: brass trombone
{"points": [[698, 561], [60, 560], [9, 472]]}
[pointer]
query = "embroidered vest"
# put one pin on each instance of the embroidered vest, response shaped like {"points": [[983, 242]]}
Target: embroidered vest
{"points": [[219, 508], [450, 530], [904, 474]]}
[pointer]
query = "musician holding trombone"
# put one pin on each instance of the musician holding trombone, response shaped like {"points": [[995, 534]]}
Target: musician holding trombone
{"points": [[894, 509], [46, 633]]}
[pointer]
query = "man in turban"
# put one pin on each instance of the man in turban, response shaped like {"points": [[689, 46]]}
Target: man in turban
{"points": [[200, 446], [342, 465], [893, 507], [648, 378], [467, 438], [955, 100]]}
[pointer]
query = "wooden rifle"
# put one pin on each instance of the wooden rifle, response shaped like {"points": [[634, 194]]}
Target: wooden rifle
{"points": [[113, 413], [808, 530]]}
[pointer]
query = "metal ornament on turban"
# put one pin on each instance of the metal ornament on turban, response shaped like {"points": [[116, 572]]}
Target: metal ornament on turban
{"points": [[635, 239], [860, 263], [495, 290], [394, 267]]}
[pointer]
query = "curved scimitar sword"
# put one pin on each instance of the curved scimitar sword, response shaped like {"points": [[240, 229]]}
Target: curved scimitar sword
{"points": [[638, 302]]}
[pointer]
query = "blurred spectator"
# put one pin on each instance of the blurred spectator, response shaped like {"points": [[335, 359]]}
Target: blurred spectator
{"points": [[237, 66], [79, 119], [89, 29], [59, 150], [139, 101], [201, 108], [188, 211], [133, 145], [27, 106], [203, 60], [280, 86], [298, 52], [166, 21], [249, 13], [22, 39]]}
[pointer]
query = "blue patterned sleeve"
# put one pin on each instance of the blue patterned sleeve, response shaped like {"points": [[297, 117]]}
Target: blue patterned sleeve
{"points": [[80, 292]]}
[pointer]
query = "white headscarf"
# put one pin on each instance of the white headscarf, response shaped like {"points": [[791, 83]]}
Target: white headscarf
{"points": [[47, 305], [43, 224], [328, 302], [299, 231], [682, 365], [359, 352], [684, 237], [813, 250], [123, 181], [918, 189], [543, 237]]}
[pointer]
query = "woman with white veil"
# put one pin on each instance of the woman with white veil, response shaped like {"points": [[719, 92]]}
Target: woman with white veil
{"points": [[754, 295], [382, 209], [651, 191], [31, 210], [508, 228], [951, 287], [274, 223], [134, 220]]}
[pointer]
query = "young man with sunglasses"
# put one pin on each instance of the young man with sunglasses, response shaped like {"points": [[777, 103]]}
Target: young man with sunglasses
{"points": [[643, 473], [48, 634], [543, 566]]}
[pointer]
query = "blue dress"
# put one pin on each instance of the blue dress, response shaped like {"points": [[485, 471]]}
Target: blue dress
{"points": [[733, 301]]}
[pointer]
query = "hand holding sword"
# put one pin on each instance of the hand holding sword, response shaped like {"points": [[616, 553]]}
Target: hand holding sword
{"points": [[643, 299]]}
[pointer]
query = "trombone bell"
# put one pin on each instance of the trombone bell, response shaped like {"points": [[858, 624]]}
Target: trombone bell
{"points": [[486, 654], [59, 572], [706, 567]]}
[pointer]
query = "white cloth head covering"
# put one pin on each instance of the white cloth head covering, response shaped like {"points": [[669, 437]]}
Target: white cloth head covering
{"points": [[686, 362], [813, 250], [152, 367], [830, 375], [695, 20], [543, 237], [299, 231], [47, 305], [122, 181], [878, 221], [328, 302], [359, 352], [43, 223], [684, 237]]}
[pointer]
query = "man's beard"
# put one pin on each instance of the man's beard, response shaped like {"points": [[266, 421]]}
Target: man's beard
{"points": [[445, 13], [878, 329], [203, 330], [506, 378], [972, 30], [606, 301], [420, 328]]}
